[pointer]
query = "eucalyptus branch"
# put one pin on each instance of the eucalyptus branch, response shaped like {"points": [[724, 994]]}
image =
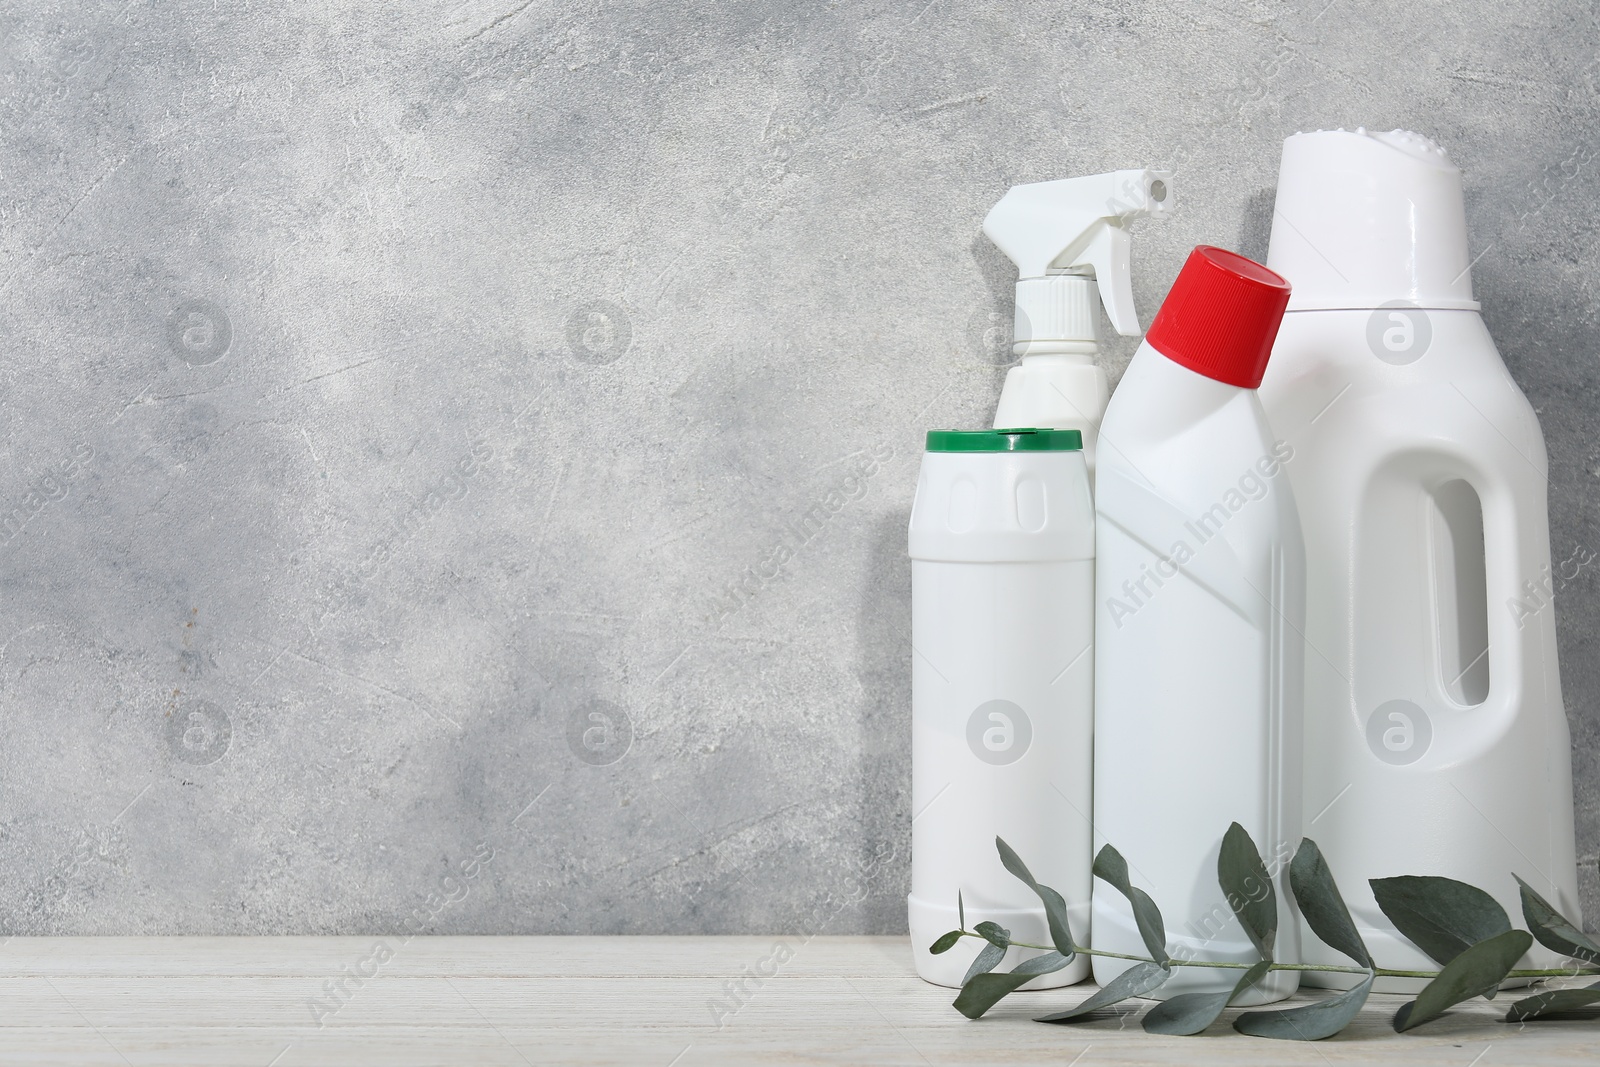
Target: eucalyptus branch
{"points": [[1381, 972], [1461, 928]]}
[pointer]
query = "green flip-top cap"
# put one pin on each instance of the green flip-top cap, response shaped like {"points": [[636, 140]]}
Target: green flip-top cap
{"points": [[1023, 439]]}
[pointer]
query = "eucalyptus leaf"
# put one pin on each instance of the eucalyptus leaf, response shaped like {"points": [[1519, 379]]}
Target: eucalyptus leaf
{"points": [[1111, 867], [980, 993], [1308, 1022], [1055, 908], [1247, 885], [1554, 930], [945, 943], [961, 911], [993, 933], [1136, 981], [1441, 916], [987, 959], [1044, 963], [1190, 1013], [1474, 973], [1555, 1003], [1321, 905]]}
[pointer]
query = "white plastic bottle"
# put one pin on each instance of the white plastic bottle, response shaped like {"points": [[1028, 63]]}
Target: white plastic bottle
{"points": [[1199, 594], [1002, 572], [1070, 241], [1436, 741]]}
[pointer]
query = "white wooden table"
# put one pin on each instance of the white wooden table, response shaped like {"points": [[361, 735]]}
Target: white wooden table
{"points": [[651, 1001]]}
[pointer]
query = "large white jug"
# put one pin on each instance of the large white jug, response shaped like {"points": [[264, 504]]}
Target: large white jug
{"points": [[1435, 738]]}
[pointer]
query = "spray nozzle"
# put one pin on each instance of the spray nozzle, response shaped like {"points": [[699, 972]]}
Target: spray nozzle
{"points": [[1066, 237]]}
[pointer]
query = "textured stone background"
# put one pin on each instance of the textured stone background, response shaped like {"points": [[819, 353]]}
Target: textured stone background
{"points": [[392, 393]]}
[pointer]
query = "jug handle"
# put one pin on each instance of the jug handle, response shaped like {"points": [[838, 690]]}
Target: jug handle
{"points": [[1503, 499]]}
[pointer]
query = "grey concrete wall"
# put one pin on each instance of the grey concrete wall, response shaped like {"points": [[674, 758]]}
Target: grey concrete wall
{"points": [[393, 394]]}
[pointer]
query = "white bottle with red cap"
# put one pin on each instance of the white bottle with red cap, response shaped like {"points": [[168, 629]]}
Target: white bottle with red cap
{"points": [[1199, 589], [1436, 740]]}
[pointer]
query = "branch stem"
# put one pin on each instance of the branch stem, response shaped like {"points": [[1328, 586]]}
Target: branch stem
{"points": [[1382, 972]]}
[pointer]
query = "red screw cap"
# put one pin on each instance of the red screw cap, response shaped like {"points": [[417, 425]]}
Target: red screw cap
{"points": [[1221, 317]]}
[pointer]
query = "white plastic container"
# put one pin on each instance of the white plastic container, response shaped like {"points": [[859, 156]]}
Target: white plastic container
{"points": [[1200, 582], [1070, 241], [1436, 741], [1002, 571]]}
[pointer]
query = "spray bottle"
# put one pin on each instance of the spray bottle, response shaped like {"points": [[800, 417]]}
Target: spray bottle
{"points": [[1070, 242], [1002, 579]]}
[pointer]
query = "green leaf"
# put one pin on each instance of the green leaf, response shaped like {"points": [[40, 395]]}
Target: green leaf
{"points": [[1248, 887], [1055, 908], [1111, 867], [983, 992], [946, 942], [1555, 1003], [961, 911], [1321, 905], [1136, 981], [1308, 1022], [1190, 1013], [1554, 930], [1474, 973], [1441, 916], [1043, 963], [993, 933], [987, 959]]}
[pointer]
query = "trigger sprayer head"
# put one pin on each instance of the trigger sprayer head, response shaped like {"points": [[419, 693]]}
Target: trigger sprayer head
{"points": [[1068, 238]]}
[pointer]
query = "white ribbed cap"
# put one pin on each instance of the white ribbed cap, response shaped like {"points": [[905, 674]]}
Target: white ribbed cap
{"points": [[1367, 219], [1059, 307]]}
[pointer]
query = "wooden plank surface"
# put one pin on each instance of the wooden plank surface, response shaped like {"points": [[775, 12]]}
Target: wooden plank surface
{"points": [[652, 1001]]}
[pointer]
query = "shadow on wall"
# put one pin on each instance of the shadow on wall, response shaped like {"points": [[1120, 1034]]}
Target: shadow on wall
{"points": [[1255, 229], [990, 326], [883, 667]]}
